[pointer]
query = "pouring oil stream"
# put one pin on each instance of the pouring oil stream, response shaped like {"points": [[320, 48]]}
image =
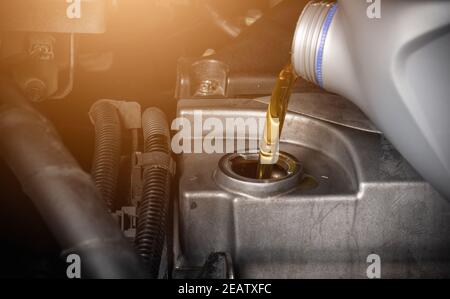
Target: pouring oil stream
{"points": [[276, 115]]}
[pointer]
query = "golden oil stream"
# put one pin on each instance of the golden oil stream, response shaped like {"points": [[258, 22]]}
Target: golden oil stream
{"points": [[276, 115]]}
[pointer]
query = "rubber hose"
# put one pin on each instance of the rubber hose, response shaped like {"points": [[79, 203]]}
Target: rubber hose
{"points": [[64, 195], [108, 140], [153, 208]]}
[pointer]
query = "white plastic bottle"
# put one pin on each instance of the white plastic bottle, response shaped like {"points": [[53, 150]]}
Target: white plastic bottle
{"points": [[392, 59]]}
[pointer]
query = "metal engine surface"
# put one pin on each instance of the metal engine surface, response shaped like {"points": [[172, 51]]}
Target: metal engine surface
{"points": [[368, 201]]}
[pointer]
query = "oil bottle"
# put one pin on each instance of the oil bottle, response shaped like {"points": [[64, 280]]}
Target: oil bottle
{"points": [[393, 64]]}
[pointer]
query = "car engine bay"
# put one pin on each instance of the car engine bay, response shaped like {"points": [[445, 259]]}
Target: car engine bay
{"points": [[132, 135]]}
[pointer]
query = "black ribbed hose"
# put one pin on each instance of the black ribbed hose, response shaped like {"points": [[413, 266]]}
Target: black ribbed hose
{"points": [[153, 208], [108, 140], [65, 195]]}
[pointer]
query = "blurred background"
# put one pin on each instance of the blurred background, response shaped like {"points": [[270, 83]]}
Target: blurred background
{"points": [[135, 60]]}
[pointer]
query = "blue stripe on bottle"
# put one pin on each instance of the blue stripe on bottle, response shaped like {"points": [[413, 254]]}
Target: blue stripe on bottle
{"points": [[323, 37]]}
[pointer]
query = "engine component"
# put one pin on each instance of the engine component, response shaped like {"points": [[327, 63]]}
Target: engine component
{"points": [[42, 64], [238, 172], [210, 78], [37, 75], [217, 266], [359, 197], [108, 143], [65, 196], [109, 118], [344, 49], [248, 73], [332, 108], [153, 208]]}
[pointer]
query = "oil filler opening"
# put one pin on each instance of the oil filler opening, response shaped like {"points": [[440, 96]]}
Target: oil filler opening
{"points": [[246, 166], [238, 172]]}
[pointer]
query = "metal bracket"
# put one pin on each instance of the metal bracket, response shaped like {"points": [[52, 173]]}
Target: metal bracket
{"points": [[70, 81], [127, 218]]}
